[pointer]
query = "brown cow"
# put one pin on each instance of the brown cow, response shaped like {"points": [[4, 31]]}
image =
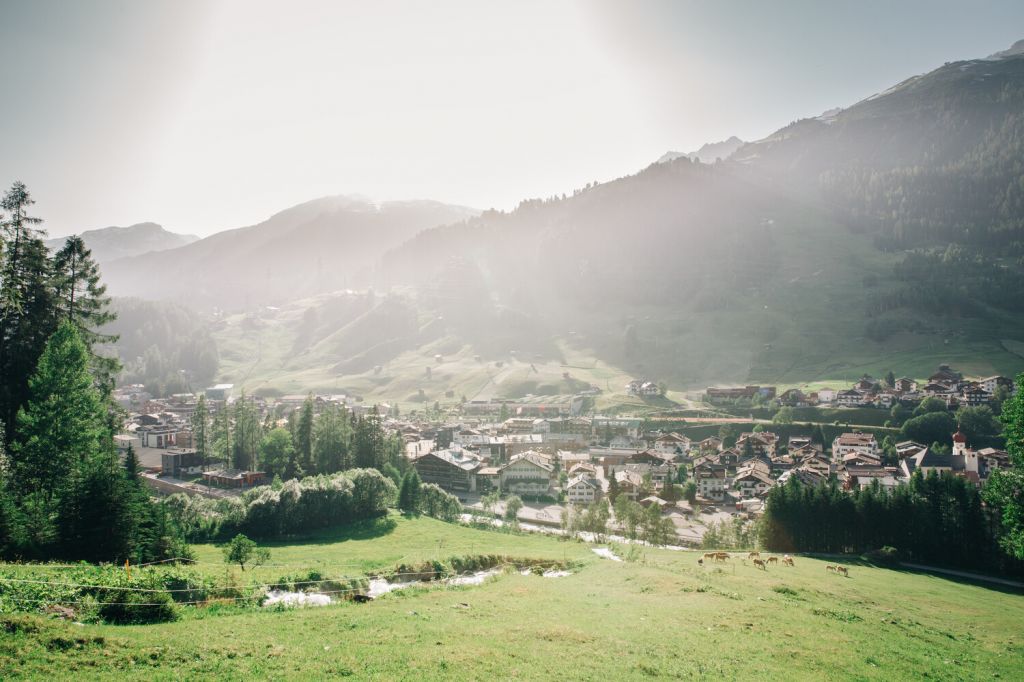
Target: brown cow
{"points": [[772, 560], [721, 556], [760, 564], [843, 570], [787, 560], [753, 555], [831, 568], [709, 555]]}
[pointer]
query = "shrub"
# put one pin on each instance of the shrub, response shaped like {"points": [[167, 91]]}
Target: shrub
{"points": [[885, 555], [126, 607]]}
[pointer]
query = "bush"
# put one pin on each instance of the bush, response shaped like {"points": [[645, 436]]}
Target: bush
{"points": [[127, 607], [885, 555]]}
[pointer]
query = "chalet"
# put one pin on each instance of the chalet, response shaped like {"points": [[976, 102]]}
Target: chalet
{"points": [[797, 442], [849, 398], [990, 384], [710, 481], [585, 469], [793, 397], [529, 473], [905, 385], [453, 470], [808, 476], [884, 400], [866, 385], [947, 376], [859, 459], [643, 388], [975, 395], [582, 490], [671, 444], [806, 452], [752, 479], [730, 457], [630, 483], [856, 442], [762, 444], [826, 396], [710, 444]]}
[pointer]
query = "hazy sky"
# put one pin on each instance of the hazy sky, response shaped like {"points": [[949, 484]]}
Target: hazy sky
{"points": [[208, 115]]}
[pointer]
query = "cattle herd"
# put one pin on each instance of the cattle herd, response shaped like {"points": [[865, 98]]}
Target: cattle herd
{"points": [[762, 563]]}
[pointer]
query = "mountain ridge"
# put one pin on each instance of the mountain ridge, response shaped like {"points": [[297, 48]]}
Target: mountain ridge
{"points": [[111, 243]]}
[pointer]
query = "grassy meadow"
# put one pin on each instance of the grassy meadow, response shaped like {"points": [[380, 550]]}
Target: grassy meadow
{"points": [[659, 616]]}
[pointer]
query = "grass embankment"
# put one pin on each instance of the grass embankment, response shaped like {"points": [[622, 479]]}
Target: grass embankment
{"points": [[664, 616]]}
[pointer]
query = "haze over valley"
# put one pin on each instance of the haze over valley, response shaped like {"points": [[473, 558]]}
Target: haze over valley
{"points": [[512, 340]]}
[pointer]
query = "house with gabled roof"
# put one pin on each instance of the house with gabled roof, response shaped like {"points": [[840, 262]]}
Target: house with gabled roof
{"points": [[582, 490], [528, 473]]}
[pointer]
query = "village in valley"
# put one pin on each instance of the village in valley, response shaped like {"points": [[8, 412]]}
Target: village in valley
{"points": [[709, 469]]}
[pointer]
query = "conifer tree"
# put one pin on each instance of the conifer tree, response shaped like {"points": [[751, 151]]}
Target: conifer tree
{"points": [[304, 437], [82, 299], [26, 301], [61, 428]]}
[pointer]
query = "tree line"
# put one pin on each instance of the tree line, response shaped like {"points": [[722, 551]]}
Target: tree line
{"points": [[308, 444], [933, 519], [64, 492]]}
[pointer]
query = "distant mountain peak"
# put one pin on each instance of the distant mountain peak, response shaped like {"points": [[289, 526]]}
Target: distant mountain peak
{"points": [[110, 243], [1016, 49], [708, 152]]}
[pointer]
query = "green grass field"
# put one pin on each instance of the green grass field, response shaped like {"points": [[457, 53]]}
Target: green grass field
{"points": [[662, 616]]}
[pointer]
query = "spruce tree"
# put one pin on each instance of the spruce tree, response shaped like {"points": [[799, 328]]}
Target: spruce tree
{"points": [[200, 427], [82, 299], [61, 428], [26, 301], [304, 437]]}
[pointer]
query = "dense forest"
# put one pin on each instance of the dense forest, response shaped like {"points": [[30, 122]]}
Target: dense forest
{"points": [[165, 346]]}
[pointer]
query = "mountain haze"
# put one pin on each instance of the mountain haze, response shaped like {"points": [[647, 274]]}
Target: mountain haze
{"points": [[110, 243], [708, 152], [885, 235], [320, 245]]}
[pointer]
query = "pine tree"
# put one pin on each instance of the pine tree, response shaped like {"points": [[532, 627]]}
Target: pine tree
{"points": [[332, 436], [81, 298], [60, 429], [26, 302], [304, 437], [200, 425], [409, 492]]}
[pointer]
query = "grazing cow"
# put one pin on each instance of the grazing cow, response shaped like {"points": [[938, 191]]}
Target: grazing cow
{"points": [[772, 560], [830, 568], [753, 555], [760, 564], [723, 555], [709, 555], [787, 560], [843, 570]]}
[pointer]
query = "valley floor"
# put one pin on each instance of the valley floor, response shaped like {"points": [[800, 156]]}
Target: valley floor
{"points": [[660, 615]]}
